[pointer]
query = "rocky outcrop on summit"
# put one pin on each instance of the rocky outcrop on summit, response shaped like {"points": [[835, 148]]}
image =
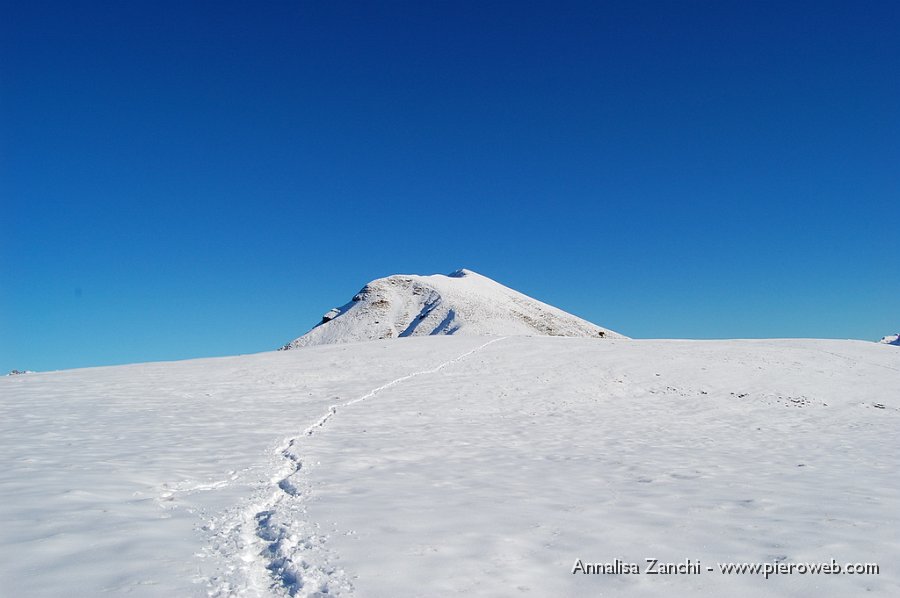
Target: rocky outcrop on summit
{"points": [[463, 302]]}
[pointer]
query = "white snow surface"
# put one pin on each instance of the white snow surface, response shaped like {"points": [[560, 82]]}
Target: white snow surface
{"points": [[450, 466], [463, 302], [891, 339]]}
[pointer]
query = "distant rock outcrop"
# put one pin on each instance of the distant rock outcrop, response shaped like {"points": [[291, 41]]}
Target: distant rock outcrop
{"points": [[891, 339], [463, 302]]}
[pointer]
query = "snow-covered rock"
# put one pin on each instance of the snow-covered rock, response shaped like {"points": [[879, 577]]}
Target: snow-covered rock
{"points": [[891, 339], [463, 302]]}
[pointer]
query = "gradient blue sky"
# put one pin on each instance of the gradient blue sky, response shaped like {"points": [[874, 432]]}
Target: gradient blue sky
{"points": [[185, 179]]}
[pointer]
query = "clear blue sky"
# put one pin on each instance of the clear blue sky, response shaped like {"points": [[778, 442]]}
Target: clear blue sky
{"points": [[185, 179]]}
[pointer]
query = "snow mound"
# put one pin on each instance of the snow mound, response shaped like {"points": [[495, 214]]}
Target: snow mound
{"points": [[463, 302], [891, 339]]}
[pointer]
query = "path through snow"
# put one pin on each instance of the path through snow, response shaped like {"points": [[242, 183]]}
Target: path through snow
{"points": [[282, 550]]}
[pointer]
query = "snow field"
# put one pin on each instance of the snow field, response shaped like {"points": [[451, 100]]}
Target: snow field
{"points": [[454, 465]]}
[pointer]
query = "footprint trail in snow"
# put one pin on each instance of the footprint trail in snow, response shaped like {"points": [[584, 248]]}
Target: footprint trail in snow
{"points": [[276, 548]]}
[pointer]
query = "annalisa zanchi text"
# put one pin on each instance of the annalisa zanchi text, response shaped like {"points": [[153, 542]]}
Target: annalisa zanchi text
{"points": [[652, 566]]}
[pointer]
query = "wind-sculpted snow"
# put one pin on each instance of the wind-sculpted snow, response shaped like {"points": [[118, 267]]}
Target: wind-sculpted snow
{"points": [[462, 303], [455, 465]]}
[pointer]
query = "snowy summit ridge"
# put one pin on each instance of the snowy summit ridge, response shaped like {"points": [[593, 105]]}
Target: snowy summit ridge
{"points": [[463, 302]]}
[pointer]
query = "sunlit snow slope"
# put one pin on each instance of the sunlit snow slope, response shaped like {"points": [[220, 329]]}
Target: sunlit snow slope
{"points": [[455, 466], [464, 302]]}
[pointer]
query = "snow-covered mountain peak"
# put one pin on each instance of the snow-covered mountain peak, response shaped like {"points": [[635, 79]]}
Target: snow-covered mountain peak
{"points": [[462, 302]]}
